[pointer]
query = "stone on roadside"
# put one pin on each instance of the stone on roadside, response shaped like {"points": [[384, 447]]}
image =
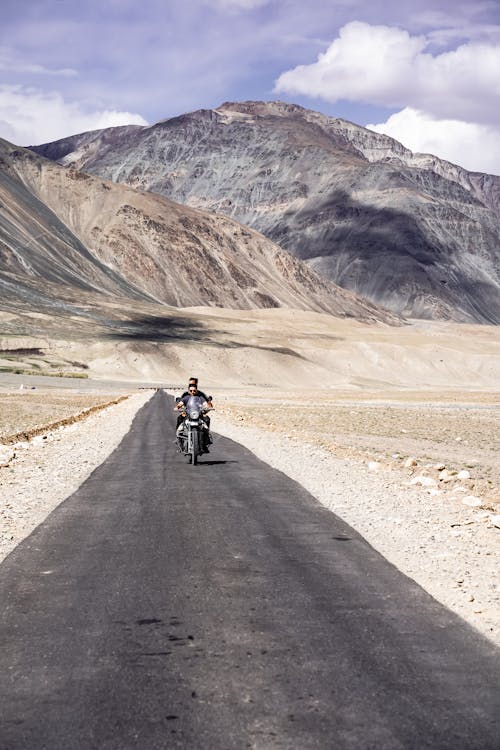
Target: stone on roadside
{"points": [[439, 467], [464, 474], [409, 463], [424, 481], [446, 475], [373, 465], [472, 501], [6, 455]]}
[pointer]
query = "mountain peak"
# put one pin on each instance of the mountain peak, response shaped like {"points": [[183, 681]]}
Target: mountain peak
{"points": [[262, 108]]}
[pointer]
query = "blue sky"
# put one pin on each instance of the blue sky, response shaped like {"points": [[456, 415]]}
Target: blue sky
{"points": [[426, 72]]}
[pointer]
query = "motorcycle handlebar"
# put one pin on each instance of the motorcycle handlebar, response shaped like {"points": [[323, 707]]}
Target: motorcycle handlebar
{"points": [[179, 411]]}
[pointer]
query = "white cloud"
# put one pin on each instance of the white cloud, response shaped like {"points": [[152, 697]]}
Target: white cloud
{"points": [[29, 116], [365, 63], [386, 66], [475, 147]]}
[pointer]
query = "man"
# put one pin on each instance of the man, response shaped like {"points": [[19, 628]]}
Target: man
{"points": [[193, 382], [182, 402]]}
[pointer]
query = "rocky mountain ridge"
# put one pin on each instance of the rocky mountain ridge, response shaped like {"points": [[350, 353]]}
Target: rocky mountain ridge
{"points": [[65, 235], [408, 231]]}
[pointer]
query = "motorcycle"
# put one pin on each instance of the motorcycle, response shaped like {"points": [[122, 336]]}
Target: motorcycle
{"points": [[192, 437]]}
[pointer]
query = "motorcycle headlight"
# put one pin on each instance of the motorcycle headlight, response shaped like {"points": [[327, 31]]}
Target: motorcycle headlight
{"points": [[194, 414]]}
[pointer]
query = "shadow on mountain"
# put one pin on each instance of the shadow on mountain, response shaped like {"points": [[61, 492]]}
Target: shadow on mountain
{"points": [[169, 329], [340, 220], [157, 328], [381, 253]]}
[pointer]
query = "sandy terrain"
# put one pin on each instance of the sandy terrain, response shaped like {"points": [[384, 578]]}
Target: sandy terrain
{"points": [[263, 348]]}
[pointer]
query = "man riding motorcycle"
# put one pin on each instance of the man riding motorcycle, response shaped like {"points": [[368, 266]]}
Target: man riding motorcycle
{"points": [[182, 402]]}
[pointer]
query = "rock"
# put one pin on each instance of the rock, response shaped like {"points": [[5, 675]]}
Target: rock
{"points": [[464, 474], [495, 520], [447, 475], [472, 501], [373, 465], [409, 463], [439, 467], [424, 481], [6, 455]]}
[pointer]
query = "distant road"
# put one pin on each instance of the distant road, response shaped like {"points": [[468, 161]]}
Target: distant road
{"points": [[11, 380], [220, 607]]}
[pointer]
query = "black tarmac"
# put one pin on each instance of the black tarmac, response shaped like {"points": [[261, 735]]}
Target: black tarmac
{"points": [[220, 606]]}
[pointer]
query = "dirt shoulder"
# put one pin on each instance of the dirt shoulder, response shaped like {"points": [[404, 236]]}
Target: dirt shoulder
{"points": [[458, 433], [24, 414]]}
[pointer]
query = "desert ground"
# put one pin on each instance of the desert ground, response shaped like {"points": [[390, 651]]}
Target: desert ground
{"points": [[396, 429]]}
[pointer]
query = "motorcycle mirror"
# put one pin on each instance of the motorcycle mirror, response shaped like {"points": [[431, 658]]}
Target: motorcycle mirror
{"points": [[177, 399], [209, 398]]}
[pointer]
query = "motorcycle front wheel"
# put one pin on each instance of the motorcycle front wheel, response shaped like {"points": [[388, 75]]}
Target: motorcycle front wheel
{"points": [[195, 445]]}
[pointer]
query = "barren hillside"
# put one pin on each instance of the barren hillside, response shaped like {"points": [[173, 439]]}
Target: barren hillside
{"points": [[407, 231]]}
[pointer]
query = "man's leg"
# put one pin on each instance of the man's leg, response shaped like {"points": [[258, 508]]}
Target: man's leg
{"points": [[205, 435], [209, 436], [179, 429]]}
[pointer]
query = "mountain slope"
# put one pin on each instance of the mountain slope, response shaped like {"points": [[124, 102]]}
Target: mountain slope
{"points": [[64, 228], [408, 231]]}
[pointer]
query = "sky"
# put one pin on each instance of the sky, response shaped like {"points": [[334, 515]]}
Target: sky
{"points": [[426, 72]]}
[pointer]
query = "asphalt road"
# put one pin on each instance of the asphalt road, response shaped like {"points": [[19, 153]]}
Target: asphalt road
{"points": [[219, 606]]}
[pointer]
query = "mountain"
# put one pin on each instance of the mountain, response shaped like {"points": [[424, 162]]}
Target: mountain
{"points": [[411, 232], [66, 236]]}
